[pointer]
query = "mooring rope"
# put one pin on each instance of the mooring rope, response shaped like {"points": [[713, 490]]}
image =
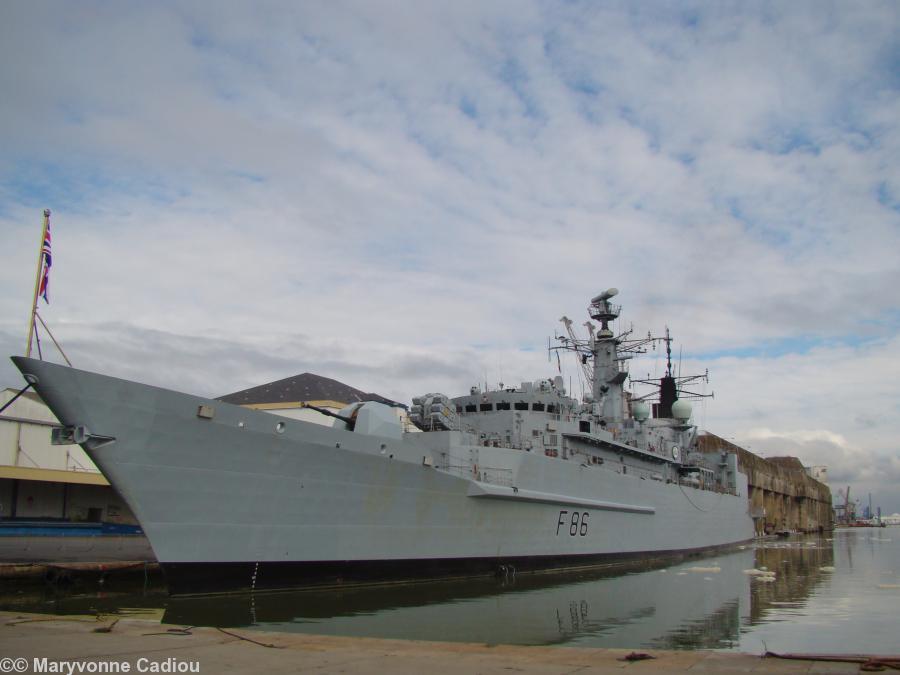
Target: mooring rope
{"points": [[13, 399]]}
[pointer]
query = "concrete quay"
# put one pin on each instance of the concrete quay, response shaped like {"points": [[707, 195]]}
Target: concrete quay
{"points": [[90, 549], [60, 559], [41, 643]]}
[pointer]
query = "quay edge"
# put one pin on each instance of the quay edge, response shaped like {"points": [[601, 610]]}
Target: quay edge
{"points": [[126, 640]]}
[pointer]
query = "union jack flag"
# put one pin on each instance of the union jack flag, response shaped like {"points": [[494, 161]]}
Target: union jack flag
{"points": [[48, 261]]}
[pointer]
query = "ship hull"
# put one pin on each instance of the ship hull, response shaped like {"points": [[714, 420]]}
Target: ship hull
{"points": [[208, 578], [244, 500]]}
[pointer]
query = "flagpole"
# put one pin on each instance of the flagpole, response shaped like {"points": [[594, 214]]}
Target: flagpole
{"points": [[37, 280]]}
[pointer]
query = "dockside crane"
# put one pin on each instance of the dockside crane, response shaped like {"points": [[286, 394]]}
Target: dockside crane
{"points": [[582, 348]]}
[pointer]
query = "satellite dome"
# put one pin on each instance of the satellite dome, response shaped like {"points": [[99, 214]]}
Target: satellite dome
{"points": [[640, 411], [681, 410]]}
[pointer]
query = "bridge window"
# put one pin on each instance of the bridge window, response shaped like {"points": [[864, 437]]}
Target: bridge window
{"points": [[471, 407], [487, 407], [503, 405], [521, 405], [538, 407], [585, 426], [551, 408]]}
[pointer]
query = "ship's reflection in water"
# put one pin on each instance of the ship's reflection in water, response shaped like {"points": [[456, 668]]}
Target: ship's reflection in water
{"points": [[701, 603], [635, 608], [710, 603]]}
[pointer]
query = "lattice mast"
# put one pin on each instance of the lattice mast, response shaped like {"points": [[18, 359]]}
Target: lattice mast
{"points": [[604, 357], [671, 387]]}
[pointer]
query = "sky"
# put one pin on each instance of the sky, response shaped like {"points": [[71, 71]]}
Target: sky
{"points": [[407, 197]]}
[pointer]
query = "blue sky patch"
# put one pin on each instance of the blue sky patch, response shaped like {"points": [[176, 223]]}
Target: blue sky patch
{"points": [[885, 198], [797, 345], [80, 188]]}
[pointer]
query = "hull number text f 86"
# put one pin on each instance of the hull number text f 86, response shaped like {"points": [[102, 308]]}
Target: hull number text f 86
{"points": [[575, 523]]}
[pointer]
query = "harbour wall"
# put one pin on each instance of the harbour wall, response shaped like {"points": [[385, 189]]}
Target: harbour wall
{"points": [[783, 496]]}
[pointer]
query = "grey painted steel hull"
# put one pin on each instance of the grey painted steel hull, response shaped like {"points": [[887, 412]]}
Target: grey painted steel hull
{"points": [[234, 494]]}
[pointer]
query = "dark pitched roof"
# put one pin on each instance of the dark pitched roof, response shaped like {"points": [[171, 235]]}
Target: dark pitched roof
{"points": [[305, 387]]}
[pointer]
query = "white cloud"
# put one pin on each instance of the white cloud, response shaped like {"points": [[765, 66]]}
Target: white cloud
{"points": [[409, 199]]}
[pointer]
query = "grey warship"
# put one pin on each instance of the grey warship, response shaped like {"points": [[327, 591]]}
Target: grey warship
{"points": [[507, 480]]}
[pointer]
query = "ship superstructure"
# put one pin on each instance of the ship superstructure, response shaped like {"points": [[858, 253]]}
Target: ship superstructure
{"points": [[609, 428], [496, 481]]}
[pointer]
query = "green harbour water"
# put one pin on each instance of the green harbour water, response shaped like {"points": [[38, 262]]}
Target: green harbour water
{"points": [[834, 593]]}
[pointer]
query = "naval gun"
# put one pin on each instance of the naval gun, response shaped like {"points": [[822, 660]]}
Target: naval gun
{"points": [[349, 421], [364, 417]]}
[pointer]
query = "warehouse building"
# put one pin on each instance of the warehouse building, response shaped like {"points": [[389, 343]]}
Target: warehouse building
{"points": [[40, 481]]}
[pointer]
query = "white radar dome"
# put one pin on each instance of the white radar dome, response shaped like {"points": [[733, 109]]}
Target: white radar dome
{"points": [[681, 410], [640, 410]]}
